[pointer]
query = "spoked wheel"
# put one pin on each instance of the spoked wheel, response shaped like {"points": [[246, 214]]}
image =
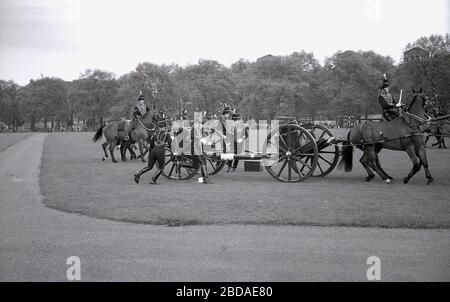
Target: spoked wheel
{"points": [[290, 153], [213, 163], [179, 167], [328, 152]]}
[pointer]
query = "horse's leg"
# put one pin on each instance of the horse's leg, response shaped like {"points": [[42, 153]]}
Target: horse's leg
{"points": [[104, 145], [123, 150], [416, 163], [364, 163], [141, 149], [377, 150], [132, 153], [441, 140], [372, 157], [146, 149], [112, 146], [421, 153]]}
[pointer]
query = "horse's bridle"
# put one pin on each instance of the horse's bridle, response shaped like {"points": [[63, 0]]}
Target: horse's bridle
{"points": [[418, 118]]}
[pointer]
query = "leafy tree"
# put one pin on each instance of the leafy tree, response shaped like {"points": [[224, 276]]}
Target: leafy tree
{"points": [[9, 104], [100, 90], [354, 79], [432, 73], [205, 85]]}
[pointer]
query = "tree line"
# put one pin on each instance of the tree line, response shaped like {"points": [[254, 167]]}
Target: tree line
{"points": [[295, 85]]}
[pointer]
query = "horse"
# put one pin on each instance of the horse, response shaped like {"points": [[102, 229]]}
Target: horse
{"points": [[113, 138], [143, 127], [137, 134], [434, 110], [400, 134]]}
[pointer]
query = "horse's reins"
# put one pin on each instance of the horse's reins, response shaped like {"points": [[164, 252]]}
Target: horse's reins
{"points": [[420, 119], [416, 117], [146, 128]]}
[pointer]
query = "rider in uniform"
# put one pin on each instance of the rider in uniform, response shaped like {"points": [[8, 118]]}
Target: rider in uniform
{"points": [[226, 113], [390, 108], [140, 109]]}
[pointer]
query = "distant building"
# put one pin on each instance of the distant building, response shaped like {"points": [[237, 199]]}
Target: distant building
{"points": [[266, 58], [415, 54]]}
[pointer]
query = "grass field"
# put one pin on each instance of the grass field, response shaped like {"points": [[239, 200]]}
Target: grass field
{"points": [[74, 179], [9, 139]]}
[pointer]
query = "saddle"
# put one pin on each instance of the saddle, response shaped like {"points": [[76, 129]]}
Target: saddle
{"points": [[123, 129]]}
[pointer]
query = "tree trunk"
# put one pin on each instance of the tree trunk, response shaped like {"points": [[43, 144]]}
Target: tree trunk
{"points": [[33, 123]]}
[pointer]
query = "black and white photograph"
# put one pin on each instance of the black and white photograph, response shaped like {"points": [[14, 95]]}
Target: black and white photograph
{"points": [[237, 144]]}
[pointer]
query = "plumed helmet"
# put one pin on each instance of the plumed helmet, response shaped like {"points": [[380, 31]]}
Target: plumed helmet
{"points": [[385, 82], [141, 96], [236, 116], [226, 110]]}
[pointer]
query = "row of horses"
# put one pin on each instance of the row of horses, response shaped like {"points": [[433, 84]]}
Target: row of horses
{"points": [[405, 133]]}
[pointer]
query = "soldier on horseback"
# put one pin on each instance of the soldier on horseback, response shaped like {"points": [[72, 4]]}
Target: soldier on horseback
{"points": [[390, 108], [226, 112], [140, 109]]}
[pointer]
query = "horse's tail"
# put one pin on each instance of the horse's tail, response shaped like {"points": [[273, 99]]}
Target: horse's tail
{"points": [[98, 134], [347, 156]]}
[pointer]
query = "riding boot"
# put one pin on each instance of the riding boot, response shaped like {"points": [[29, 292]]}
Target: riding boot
{"points": [[235, 164], [155, 177], [204, 174], [138, 175]]}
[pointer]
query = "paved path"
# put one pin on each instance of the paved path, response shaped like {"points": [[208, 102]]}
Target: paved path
{"points": [[35, 242]]}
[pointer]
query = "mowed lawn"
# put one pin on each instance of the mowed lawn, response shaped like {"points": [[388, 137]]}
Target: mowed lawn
{"points": [[74, 179], [8, 139]]}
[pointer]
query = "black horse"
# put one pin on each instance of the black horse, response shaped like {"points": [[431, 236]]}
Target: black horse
{"points": [[400, 134]]}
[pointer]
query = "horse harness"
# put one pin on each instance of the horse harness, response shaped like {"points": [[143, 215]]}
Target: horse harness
{"points": [[159, 137], [423, 122]]}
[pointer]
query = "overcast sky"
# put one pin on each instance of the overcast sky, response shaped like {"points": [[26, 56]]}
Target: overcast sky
{"points": [[64, 37]]}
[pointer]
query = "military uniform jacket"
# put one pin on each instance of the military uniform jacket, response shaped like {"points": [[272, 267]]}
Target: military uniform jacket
{"points": [[140, 111], [386, 101]]}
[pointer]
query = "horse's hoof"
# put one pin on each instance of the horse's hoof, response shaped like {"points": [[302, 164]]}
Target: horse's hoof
{"points": [[136, 178], [430, 181], [387, 181], [405, 180], [103, 159], [369, 178]]}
